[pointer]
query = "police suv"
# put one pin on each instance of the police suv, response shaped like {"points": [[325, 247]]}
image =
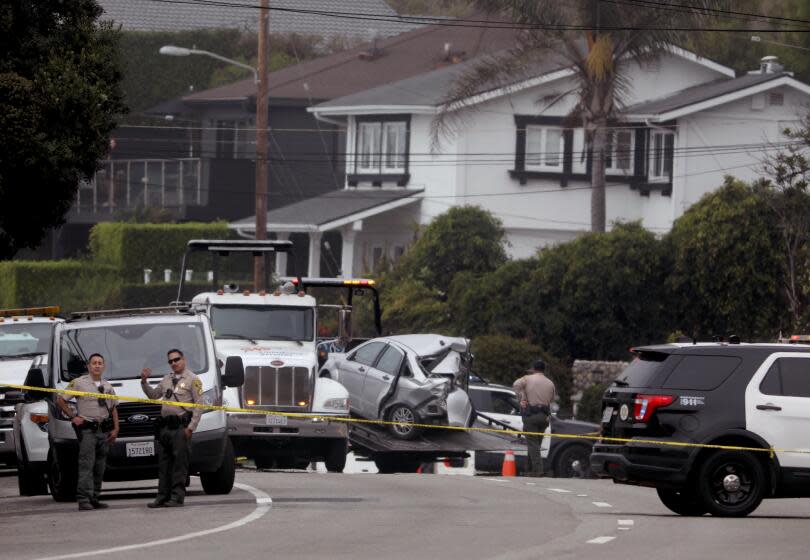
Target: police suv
{"points": [[131, 340], [752, 399]]}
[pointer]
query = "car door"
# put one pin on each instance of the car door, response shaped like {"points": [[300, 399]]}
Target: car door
{"points": [[353, 372], [379, 379], [505, 408], [777, 407]]}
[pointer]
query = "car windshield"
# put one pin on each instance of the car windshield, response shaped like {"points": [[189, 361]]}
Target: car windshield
{"points": [[127, 349], [25, 339], [263, 322]]}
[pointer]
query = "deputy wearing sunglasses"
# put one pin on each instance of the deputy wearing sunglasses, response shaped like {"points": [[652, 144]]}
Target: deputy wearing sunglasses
{"points": [[175, 426], [96, 425]]}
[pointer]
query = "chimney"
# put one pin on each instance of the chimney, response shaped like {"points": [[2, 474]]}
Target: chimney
{"points": [[770, 65]]}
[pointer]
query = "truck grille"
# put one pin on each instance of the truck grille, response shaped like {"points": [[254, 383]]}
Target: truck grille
{"points": [[277, 387], [137, 419]]}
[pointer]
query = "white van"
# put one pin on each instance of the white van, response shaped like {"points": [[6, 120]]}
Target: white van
{"points": [[131, 340]]}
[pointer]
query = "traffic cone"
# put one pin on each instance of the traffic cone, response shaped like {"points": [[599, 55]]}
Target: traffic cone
{"points": [[509, 467]]}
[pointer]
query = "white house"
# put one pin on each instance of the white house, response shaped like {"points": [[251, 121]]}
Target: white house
{"points": [[687, 122]]}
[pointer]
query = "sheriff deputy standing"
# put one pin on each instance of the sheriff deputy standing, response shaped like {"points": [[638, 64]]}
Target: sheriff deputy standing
{"points": [[536, 393], [96, 424], [175, 426]]}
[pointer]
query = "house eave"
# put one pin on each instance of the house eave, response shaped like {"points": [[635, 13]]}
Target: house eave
{"points": [[373, 110]]}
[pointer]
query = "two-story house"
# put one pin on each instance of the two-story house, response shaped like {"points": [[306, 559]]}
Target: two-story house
{"points": [[687, 122]]}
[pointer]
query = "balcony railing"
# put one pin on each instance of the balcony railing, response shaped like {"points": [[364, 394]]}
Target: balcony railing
{"points": [[124, 185]]}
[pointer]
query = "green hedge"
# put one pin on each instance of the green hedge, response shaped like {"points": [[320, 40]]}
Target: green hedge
{"points": [[131, 248], [74, 285]]}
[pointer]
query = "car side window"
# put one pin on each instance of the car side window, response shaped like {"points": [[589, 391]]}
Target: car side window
{"points": [[504, 403], [391, 361], [788, 377], [482, 400], [367, 354], [701, 373]]}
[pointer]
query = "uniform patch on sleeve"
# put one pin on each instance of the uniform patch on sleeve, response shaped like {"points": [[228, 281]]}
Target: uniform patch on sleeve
{"points": [[198, 386], [71, 385]]}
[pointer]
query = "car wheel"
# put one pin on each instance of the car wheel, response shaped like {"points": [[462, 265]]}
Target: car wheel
{"points": [[574, 461], [31, 481], [336, 456], [62, 477], [731, 483], [683, 502], [404, 418], [221, 480]]}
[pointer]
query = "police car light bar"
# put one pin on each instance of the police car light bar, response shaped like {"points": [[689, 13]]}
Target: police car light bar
{"points": [[31, 311]]}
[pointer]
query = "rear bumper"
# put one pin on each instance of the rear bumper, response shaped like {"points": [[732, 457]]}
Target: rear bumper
{"points": [[642, 464]]}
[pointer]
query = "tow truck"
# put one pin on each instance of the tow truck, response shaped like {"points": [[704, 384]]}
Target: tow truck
{"points": [[274, 332]]}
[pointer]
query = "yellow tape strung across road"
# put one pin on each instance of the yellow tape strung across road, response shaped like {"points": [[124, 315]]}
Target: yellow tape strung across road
{"points": [[348, 420]]}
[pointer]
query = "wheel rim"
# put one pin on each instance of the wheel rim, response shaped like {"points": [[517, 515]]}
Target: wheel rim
{"points": [[732, 484], [403, 419], [575, 464]]}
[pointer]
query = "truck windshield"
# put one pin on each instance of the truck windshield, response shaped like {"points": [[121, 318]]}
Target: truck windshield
{"points": [[127, 349], [260, 322], [25, 339]]}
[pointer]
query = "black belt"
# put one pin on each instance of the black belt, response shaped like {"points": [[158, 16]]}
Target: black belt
{"points": [[105, 425]]}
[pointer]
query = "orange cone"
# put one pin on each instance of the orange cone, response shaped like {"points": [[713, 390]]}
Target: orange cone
{"points": [[509, 467]]}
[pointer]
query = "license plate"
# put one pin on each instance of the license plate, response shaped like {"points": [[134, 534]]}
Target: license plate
{"points": [[141, 449], [607, 414], [275, 420]]}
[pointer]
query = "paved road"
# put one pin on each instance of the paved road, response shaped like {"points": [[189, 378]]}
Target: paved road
{"points": [[314, 515]]}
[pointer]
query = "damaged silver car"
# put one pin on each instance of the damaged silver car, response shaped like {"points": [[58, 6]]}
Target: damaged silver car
{"points": [[409, 379]]}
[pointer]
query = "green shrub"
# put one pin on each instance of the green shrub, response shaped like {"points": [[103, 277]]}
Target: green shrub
{"points": [[131, 248], [590, 406], [74, 285]]}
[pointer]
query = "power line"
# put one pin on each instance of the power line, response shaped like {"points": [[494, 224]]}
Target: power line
{"points": [[467, 22]]}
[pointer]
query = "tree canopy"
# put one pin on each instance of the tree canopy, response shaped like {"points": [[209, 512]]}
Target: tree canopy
{"points": [[59, 97]]}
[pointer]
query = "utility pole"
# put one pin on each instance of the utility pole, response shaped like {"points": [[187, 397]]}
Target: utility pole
{"points": [[262, 155]]}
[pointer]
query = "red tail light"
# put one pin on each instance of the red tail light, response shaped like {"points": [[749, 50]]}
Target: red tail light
{"points": [[645, 405]]}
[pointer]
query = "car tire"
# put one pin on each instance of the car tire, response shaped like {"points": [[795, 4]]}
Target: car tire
{"points": [[407, 415], [731, 483], [31, 481], [221, 480], [336, 456], [573, 461], [62, 477], [683, 502]]}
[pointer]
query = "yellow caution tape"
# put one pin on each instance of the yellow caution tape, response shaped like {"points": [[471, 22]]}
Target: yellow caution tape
{"points": [[592, 436]]}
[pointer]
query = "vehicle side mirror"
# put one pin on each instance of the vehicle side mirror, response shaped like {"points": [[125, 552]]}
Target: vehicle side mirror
{"points": [[345, 324], [35, 378], [234, 372]]}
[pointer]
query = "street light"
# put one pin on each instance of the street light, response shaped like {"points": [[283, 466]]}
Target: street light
{"points": [[262, 118], [171, 50]]}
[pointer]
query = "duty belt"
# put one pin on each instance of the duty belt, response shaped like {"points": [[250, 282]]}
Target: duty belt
{"points": [[173, 421]]}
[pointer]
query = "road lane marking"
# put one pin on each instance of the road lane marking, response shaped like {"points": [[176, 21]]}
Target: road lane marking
{"points": [[602, 504], [263, 504], [600, 540], [624, 528], [582, 495], [559, 490], [497, 479], [626, 522], [531, 484]]}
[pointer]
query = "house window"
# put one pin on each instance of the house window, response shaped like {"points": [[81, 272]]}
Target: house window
{"points": [[619, 152], [544, 148], [377, 255], [661, 155], [235, 139], [382, 147], [776, 99]]}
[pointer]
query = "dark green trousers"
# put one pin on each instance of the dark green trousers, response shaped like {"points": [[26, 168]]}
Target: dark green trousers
{"points": [[92, 462], [535, 423], [174, 452]]}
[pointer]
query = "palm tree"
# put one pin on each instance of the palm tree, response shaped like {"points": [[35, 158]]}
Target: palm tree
{"points": [[599, 39]]}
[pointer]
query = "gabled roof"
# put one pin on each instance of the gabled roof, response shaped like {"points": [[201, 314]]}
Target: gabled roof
{"points": [[332, 210], [409, 54], [148, 15], [424, 93], [712, 94]]}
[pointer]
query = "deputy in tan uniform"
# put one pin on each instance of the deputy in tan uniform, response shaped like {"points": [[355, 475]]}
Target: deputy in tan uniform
{"points": [[175, 426], [536, 392], [96, 425]]}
